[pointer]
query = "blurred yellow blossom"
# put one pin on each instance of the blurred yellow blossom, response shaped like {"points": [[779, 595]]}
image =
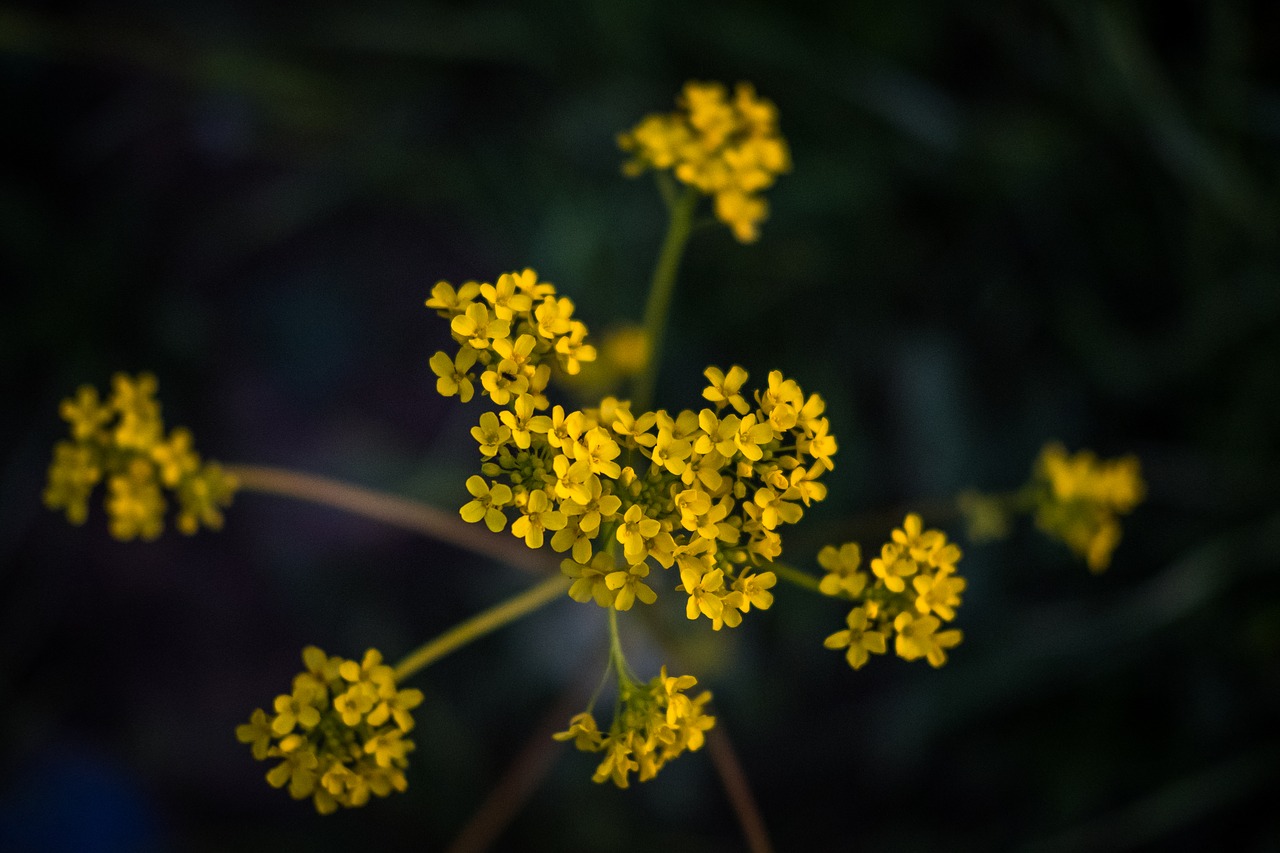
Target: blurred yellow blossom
{"points": [[727, 146], [122, 441], [1079, 499]]}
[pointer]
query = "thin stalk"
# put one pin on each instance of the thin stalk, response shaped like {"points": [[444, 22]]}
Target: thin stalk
{"points": [[616, 657], [389, 509], [725, 759], [481, 624], [660, 289], [795, 576]]}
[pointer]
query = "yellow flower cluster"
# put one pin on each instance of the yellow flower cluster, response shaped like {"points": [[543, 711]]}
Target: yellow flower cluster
{"points": [[705, 491], [339, 734], [911, 591], [654, 724], [513, 332], [727, 147], [122, 440], [1079, 498]]}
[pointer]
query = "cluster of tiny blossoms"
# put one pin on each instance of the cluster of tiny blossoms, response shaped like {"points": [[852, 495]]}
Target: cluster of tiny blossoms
{"points": [[654, 723], [339, 734], [726, 147], [122, 440], [1079, 498], [912, 590], [704, 491]]}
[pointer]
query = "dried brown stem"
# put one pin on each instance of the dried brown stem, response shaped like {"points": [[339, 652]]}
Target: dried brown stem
{"points": [[725, 759], [521, 778], [389, 509]]}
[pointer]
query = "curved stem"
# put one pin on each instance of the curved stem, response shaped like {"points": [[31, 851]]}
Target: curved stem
{"points": [[398, 512], [485, 622], [660, 289], [736, 788]]}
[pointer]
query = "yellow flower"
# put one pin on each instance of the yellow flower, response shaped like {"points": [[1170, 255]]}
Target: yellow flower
{"points": [[86, 414], [918, 638], [893, 565], [504, 382], [537, 517], [755, 590], [453, 374], [618, 763], [629, 585], [175, 458], [447, 302], [706, 592], [553, 317], [859, 641], [134, 502], [589, 579], [477, 329], [597, 507], [750, 436], [938, 594], [774, 510], [601, 450], [491, 434], [75, 470], [573, 538], [842, 570], [670, 452], [296, 709], [487, 504], [583, 732], [387, 748], [634, 530], [201, 496], [726, 388], [257, 733], [574, 349], [635, 429], [139, 426], [507, 297]]}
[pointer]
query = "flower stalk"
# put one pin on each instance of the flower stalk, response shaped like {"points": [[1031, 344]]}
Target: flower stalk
{"points": [[481, 624]]}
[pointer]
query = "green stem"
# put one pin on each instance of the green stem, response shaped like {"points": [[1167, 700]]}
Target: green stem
{"points": [[616, 657], [481, 624], [794, 576], [660, 290]]}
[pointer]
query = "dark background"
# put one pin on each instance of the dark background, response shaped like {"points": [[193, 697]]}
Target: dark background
{"points": [[1007, 223]]}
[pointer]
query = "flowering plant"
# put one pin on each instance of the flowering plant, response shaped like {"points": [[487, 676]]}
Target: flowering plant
{"points": [[615, 489]]}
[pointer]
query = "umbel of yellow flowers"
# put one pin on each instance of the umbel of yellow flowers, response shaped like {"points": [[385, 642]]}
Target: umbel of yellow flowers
{"points": [[1079, 499], [339, 734], [704, 491], [122, 440], [726, 147], [655, 723], [912, 589]]}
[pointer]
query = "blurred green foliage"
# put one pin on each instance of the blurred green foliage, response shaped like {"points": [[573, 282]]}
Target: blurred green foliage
{"points": [[1007, 223]]}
